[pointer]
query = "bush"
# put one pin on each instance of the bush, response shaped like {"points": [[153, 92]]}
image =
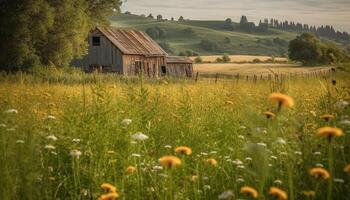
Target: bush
{"points": [[198, 59], [166, 47], [188, 31], [209, 45], [156, 32], [219, 60], [181, 53], [256, 60], [226, 58]]}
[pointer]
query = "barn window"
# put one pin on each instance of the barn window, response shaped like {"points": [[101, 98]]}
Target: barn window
{"points": [[163, 68], [96, 41]]}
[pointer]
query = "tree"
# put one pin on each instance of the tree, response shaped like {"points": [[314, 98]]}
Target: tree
{"points": [[45, 32], [226, 58], [181, 18], [150, 16], [209, 45], [228, 24], [244, 20], [159, 17]]}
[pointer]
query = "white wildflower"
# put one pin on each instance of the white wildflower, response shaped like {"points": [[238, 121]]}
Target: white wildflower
{"points": [[319, 165], [313, 113], [163, 175], [240, 167], [241, 180], [168, 147], [241, 137], [342, 104], [76, 140], [213, 152], [206, 187], [11, 111], [50, 147], [284, 153], [242, 127], [133, 142], [126, 122], [139, 136], [281, 141], [248, 159], [345, 122], [20, 141], [75, 153], [270, 165], [51, 137], [136, 155], [338, 180], [261, 144], [157, 167], [274, 157], [279, 182], [203, 154], [50, 117], [299, 153], [205, 178], [3, 125], [237, 162], [317, 153], [226, 195], [53, 153]]}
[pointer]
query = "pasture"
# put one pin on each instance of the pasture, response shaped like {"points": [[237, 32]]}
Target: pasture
{"points": [[241, 58], [62, 135]]}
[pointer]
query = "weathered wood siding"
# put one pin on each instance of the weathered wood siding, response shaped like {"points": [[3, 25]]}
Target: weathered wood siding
{"points": [[133, 64], [179, 69]]}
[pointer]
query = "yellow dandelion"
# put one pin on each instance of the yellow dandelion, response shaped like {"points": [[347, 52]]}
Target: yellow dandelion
{"points": [[327, 117], [131, 169], [347, 168], [109, 187], [276, 192], [109, 196], [309, 193], [184, 150], [319, 172], [282, 100], [170, 161], [329, 132], [269, 114], [211, 161], [194, 178], [249, 191]]}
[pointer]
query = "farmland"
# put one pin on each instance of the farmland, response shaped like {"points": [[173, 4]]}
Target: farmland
{"points": [[63, 134]]}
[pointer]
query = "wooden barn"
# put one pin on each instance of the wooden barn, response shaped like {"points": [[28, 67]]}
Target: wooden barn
{"points": [[130, 52]]}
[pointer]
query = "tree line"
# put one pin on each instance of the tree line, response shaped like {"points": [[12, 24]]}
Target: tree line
{"points": [[48, 32]]}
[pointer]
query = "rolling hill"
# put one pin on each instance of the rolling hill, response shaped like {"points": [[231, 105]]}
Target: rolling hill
{"points": [[188, 35]]}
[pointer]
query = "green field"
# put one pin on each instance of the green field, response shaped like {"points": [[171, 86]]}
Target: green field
{"points": [[241, 43], [64, 134]]}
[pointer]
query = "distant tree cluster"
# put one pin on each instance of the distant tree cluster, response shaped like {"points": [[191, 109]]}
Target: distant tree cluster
{"points": [[208, 45], [156, 32], [188, 53], [47, 32], [323, 31], [309, 49]]}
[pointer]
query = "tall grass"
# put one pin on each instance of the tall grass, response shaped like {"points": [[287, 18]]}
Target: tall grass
{"points": [[223, 121]]}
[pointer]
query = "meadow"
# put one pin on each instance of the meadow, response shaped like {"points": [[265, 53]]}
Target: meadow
{"points": [[65, 135]]}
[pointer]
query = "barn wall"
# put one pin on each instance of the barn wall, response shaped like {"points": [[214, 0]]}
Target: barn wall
{"points": [[179, 69], [149, 65]]}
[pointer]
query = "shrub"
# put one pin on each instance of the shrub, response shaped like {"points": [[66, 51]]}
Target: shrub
{"points": [[198, 59], [208, 45], [256, 60], [226, 58]]}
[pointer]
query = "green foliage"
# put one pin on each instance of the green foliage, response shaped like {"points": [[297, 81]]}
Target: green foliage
{"points": [[48, 32], [226, 58], [307, 48], [208, 45], [166, 47], [198, 59], [156, 32]]}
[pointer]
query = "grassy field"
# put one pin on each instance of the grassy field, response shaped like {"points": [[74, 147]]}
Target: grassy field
{"points": [[63, 135], [180, 41], [255, 69], [241, 58]]}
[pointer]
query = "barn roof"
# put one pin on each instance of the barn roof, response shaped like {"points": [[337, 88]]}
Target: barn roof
{"points": [[178, 59], [132, 42]]}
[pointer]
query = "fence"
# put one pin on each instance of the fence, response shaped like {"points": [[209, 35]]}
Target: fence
{"points": [[256, 77]]}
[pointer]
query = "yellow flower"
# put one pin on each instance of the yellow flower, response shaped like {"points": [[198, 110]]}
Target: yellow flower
{"points": [[184, 150], [327, 117], [109, 187], [269, 114], [131, 169], [170, 161], [211, 161], [281, 99], [249, 191], [194, 178], [329, 132], [109, 196], [347, 168], [276, 192], [319, 173], [309, 193]]}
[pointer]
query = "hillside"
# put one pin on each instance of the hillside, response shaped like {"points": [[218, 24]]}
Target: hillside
{"points": [[177, 39], [187, 36]]}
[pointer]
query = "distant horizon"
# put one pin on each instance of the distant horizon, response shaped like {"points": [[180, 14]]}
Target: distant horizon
{"points": [[311, 12]]}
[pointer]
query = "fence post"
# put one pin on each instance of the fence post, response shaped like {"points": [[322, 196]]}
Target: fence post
{"points": [[216, 77], [197, 76]]}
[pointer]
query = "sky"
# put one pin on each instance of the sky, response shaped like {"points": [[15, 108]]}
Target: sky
{"points": [[312, 12]]}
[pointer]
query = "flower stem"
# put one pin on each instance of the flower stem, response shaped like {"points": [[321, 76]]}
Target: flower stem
{"points": [[330, 166]]}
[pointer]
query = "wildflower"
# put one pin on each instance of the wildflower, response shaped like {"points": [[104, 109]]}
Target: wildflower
{"points": [[207, 187], [309, 193], [194, 178], [126, 122], [338, 180], [278, 182], [345, 122], [76, 140], [170, 161], [237, 162], [20, 142], [211, 161], [282, 100], [139, 136], [11, 111], [342, 104], [317, 153], [157, 167], [168, 146], [276, 192], [111, 152], [273, 157], [109, 196], [329, 132], [319, 165], [75, 153], [281, 141], [240, 180], [184, 150], [248, 159], [249, 191], [51, 137], [136, 155], [299, 153], [109, 187], [261, 144], [347, 168], [327, 117], [3, 125], [241, 137], [319, 172], [269, 114], [131, 169], [50, 117], [50, 147], [226, 195]]}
